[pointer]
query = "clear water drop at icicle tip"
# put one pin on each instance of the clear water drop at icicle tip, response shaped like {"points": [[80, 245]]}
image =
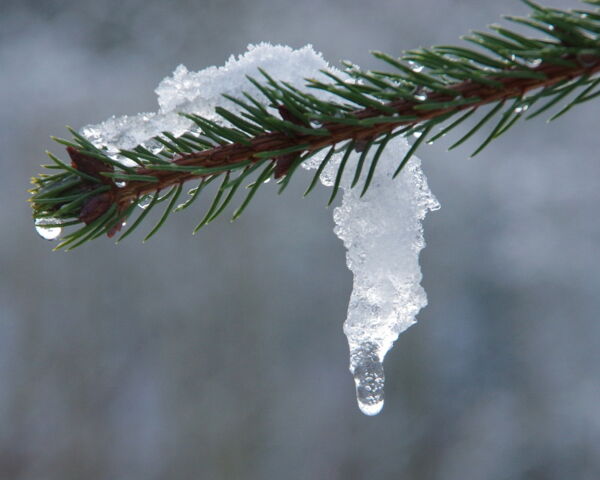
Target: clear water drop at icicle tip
{"points": [[367, 368], [47, 229]]}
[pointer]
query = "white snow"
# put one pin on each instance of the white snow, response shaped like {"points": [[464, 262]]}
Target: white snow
{"points": [[200, 92], [382, 231]]}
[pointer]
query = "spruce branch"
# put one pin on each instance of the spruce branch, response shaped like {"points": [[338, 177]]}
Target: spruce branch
{"points": [[426, 89]]}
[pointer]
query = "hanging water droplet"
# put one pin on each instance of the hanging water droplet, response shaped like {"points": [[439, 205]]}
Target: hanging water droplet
{"points": [[415, 67], [588, 58], [120, 184], [367, 369], [144, 202], [421, 96], [533, 62], [47, 229], [417, 133], [521, 108], [267, 180]]}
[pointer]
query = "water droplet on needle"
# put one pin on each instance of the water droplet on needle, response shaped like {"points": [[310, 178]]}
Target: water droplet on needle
{"points": [[533, 62], [521, 108], [144, 202], [47, 229], [415, 67]]}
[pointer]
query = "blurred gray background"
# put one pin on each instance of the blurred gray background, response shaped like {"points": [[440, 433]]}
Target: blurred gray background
{"points": [[221, 355]]}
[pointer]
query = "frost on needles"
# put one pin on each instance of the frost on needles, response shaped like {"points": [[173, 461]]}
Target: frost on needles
{"points": [[381, 230]]}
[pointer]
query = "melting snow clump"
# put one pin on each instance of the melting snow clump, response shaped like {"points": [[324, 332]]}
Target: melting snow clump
{"points": [[200, 92], [382, 230]]}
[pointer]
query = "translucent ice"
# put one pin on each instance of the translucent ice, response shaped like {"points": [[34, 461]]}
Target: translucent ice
{"points": [[381, 231]]}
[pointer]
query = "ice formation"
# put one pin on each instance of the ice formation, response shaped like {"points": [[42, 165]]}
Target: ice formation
{"points": [[383, 235], [381, 231]]}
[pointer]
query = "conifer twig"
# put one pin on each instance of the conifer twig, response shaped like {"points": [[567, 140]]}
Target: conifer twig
{"points": [[224, 155], [425, 89]]}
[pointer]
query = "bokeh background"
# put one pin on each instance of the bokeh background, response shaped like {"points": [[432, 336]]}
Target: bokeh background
{"points": [[221, 355]]}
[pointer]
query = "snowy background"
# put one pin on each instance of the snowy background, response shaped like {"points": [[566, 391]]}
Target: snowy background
{"points": [[222, 355]]}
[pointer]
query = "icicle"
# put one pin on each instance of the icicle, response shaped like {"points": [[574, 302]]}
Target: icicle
{"points": [[383, 235]]}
